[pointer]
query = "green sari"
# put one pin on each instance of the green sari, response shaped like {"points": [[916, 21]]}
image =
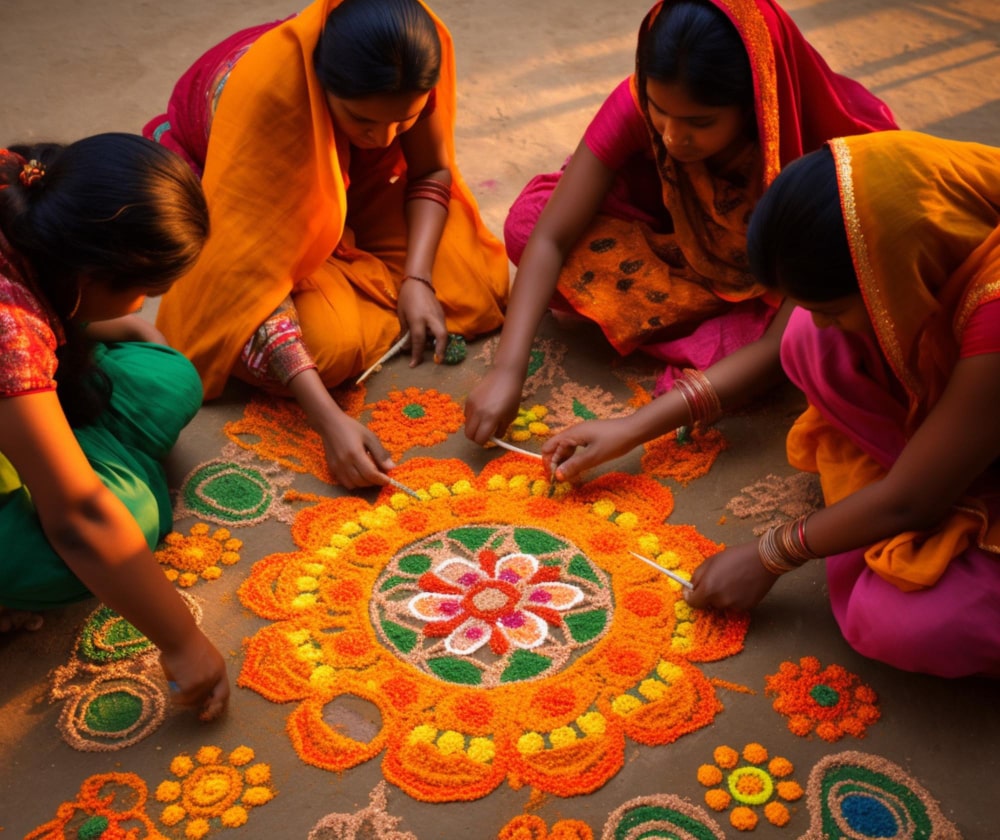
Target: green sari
{"points": [[155, 394]]}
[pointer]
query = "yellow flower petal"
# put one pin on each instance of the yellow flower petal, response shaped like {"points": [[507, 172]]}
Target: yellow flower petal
{"points": [[564, 736], [482, 750], [530, 742], [451, 742], [424, 733]]}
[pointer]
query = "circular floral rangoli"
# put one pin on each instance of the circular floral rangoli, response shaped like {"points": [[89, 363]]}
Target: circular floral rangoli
{"points": [[491, 604], [498, 625]]}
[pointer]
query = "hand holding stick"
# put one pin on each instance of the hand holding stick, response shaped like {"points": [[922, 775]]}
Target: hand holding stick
{"points": [[392, 351]]}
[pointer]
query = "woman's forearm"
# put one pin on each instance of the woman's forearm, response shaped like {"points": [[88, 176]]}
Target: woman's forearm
{"points": [[102, 544], [530, 295], [736, 378], [425, 221], [315, 400]]}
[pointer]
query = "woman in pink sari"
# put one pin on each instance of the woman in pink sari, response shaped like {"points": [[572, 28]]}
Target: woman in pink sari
{"points": [[889, 244], [643, 232]]}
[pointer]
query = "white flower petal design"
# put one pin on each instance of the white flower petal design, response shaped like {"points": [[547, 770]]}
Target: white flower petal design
{"points": [[468, 637]]}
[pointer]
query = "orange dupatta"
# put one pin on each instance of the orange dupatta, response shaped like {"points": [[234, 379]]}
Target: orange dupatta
{"points": [[922, 218], [799, 104], [275, 181]]}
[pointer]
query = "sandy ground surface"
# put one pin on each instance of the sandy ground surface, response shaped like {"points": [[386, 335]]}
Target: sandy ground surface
{"points": [[531, 75]]}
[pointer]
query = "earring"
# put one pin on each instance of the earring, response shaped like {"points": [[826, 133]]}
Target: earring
{"points": [[76, 306]]}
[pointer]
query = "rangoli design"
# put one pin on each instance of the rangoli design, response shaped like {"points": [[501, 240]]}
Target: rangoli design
{"points": [[210, 788], [749, 781], [234, 491], [108, 805], [111, 701], [572, 403], [205, 792], [531, 827], [544, 362], [529, 423], [414, 417], [497, 625], [371, 823], [199, 555], [683, 457], [830, 701], [277, 430], [777, 499], [640, 379], [661, 815], [856, 796]]}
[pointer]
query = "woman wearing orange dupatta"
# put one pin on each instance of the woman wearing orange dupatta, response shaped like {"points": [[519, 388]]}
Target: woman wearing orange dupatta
{"points": [[890, 245], [644, 231], [339, 219]]}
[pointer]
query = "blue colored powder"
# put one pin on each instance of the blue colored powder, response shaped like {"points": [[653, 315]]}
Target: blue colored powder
{"points": [[868, 816]]}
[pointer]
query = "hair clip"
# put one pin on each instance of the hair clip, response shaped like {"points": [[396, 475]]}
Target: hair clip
{"points": [[32, 172]]}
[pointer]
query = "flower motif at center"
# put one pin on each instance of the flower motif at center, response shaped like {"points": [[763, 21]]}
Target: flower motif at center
{"points": [[491, 603], [496, 624], [506, 601]]}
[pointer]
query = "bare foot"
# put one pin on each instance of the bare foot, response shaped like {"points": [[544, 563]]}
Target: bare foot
{"points": [[19, 620]]}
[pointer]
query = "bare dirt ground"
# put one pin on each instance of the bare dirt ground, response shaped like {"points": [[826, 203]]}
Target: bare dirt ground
{"points": [[532, 72]]}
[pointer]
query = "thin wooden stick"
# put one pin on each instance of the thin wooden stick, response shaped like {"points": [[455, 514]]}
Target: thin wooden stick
{"points": [[392, 351], [510, 446], [400, 486], [672, 575]]}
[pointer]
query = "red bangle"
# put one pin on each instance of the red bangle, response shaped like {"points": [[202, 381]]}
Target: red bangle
{"points": [[429, 189]]}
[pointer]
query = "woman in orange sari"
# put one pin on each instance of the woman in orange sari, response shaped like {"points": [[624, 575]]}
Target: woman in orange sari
{"points": [[339, 219], [890, 245], [644, 230]]}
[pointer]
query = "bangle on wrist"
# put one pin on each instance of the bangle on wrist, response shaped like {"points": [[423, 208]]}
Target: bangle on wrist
{"points": [[700, 396], [783, 547], [426, 281], [429, 189]]}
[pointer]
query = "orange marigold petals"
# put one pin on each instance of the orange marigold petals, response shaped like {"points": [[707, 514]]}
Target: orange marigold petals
{"points": [[524, 827], [799, 725], [789, 791], [642, 603], [277, 430], [493, 625], [709, 774], [749, 785], [831, 701], [103, 795], [197, 555], [777, 814], [571, 830], [742, 818], [686, 459], [726, 757], [779, 766], [717, 800], [414, 417]]}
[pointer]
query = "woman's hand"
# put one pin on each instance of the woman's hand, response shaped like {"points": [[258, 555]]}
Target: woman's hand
{"points": [[733, 579], [197, 672], [586, 445], [354, 453], [492, 405], [420, 312]]}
